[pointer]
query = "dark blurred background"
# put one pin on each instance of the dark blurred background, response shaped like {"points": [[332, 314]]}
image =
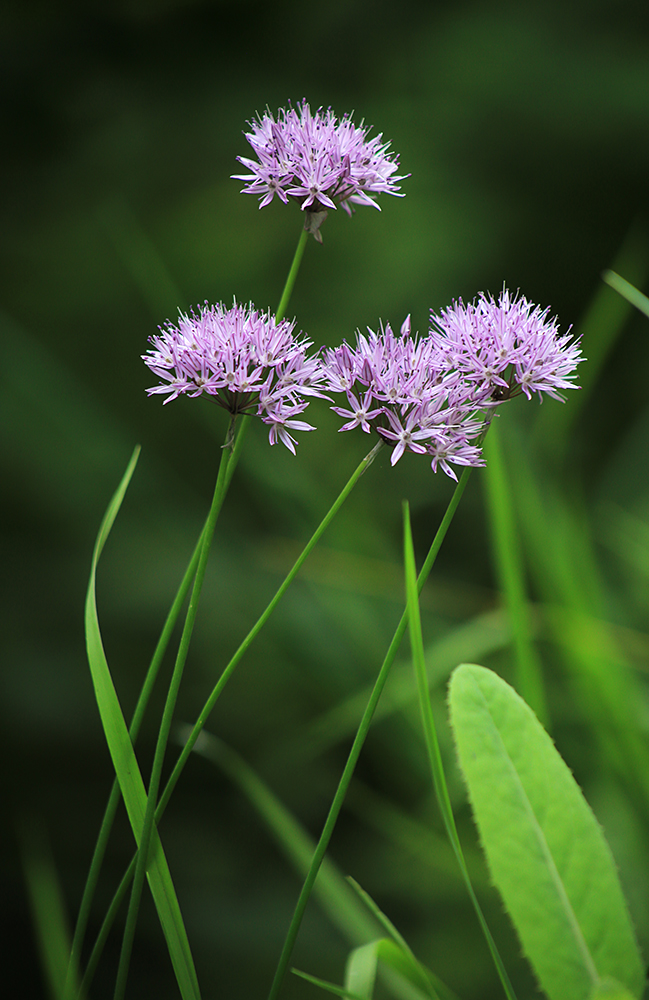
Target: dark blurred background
{"points": [[525, 128]]}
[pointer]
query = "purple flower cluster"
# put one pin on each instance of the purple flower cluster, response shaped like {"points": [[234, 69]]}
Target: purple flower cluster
{"points": [[397, 386], [435, 395], [244, 360], [507, 347], [317, 160]]}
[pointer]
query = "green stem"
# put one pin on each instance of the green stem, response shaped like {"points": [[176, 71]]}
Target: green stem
{"points": [[244, 421], [292, 275], [213, 698], [261, 621], [105, 928], [93, 875], [163, 642], [167, 716], [434, 755], [357, 746]]}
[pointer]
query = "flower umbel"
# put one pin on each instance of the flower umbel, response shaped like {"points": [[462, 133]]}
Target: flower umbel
{"points": [[319, 161], [244, 360], [507, 347], [398, 386]]}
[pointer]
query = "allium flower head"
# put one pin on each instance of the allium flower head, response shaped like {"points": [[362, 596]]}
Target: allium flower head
{"points": [[398, 386], [319, 161], [506, 347], [244, 360]]}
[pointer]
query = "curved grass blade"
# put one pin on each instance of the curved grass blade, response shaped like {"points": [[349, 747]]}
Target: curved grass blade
{"points": [[407, 982], [338, 991], [413, 977], [545, 849], [397, 953], [627, 291], [406, 978], [361, 968], [127, 769]]}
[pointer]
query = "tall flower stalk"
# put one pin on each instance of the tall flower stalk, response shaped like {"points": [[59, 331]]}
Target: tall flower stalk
{"points": [[357, 746], [435, 396], [268, 339]]}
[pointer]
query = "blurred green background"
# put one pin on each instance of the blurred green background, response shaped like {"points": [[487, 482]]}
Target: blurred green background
{"points": [[526, 130]]}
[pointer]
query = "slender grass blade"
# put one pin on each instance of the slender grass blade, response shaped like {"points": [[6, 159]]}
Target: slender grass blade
{"points": [[127, 768]]}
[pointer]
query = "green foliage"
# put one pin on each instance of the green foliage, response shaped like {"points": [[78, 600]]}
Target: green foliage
{"points": [[608, 989], [330, 888], [392, 961], [127, 768], [517, 123], [48, 908], [407, 978], [545, 849], [627, 291]]}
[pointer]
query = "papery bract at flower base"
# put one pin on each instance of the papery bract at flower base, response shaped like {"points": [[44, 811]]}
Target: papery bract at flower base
{"points": [[318, 160], [506, 347], [244, 360]]}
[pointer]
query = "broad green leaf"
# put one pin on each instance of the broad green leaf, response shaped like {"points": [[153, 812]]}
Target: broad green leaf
{"points": [[127, 768], [546, 851], [609, 989], [360, 970]]}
